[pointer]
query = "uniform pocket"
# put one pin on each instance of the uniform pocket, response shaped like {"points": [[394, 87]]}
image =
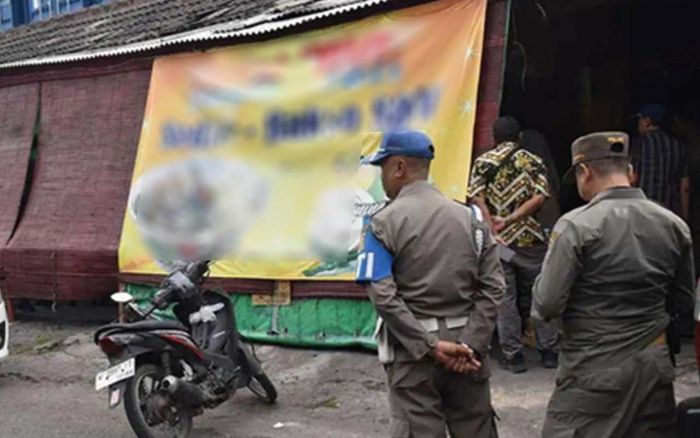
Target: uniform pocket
{"points": [[409, 374], [598, 393], [667, 374], [561, 433], [610, 379], [399, 428], [564, 425]]}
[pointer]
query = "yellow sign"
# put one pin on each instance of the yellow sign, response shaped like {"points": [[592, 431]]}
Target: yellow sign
{"points": [[251, 152]]}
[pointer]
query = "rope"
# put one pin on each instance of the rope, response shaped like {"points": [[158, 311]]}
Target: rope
{"points": [[363, 209]]}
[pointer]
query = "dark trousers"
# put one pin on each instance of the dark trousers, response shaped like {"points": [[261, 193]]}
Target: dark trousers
{"points": [[521, 272]]}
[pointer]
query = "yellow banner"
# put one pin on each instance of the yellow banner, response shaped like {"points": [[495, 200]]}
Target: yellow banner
{"points": [[252, 152]]}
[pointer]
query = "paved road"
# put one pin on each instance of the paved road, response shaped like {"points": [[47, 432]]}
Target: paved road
{"points": [[50, 394]]}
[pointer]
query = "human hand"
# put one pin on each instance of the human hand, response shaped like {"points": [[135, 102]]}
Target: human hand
{"points": [[499, 240], [499, 223], [463, 365], [458, 358]]}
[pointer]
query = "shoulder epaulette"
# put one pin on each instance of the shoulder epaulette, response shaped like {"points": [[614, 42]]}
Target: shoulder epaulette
{"points": [[479, 234], [363, 209]]}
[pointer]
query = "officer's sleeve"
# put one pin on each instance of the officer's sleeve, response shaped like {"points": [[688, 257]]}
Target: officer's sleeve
{"points": [[382, 290], [491, 288], [684, 285], [561, 266]]}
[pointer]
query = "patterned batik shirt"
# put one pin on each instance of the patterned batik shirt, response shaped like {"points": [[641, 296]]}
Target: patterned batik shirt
{"points": [[516, 182]]}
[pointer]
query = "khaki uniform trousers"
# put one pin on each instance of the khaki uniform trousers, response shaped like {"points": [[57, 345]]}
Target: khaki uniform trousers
{"points": [[426, 401], [632, 399]]}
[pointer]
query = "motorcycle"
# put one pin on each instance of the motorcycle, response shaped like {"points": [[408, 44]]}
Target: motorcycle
{"points": [[167, 372]]}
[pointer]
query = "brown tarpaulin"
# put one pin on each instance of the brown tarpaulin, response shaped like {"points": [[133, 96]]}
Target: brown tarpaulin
{"points": [[66, 244], [18, 111]]}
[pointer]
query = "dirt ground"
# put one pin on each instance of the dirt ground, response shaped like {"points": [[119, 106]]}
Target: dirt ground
{"points": [[46, 391]]}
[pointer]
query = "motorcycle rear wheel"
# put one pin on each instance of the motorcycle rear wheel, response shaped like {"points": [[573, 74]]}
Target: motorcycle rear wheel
{"points": [[262, 387], [139, 393]]}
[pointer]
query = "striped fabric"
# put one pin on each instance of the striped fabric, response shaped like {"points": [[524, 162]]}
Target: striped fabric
{"points": [[517, 181], [661, 162]]}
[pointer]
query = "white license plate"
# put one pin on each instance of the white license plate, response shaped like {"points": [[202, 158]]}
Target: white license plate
{"points": [[115, 374]]}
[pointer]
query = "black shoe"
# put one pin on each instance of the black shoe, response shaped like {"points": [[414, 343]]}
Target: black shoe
{"points": [[516, 364], [550, 359]]}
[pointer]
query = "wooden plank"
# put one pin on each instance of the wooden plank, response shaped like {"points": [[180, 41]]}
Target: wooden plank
{"points": [[281, 296]]}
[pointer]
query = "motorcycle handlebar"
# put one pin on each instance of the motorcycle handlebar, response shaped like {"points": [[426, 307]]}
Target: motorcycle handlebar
{"points": [[160, 300], [194, 272]]}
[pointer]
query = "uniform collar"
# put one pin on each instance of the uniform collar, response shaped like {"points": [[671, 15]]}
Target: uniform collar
{"points": [[619, 193], [415, 187]]}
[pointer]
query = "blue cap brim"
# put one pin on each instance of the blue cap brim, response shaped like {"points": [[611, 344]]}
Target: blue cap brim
{"points": [[374, 159]]}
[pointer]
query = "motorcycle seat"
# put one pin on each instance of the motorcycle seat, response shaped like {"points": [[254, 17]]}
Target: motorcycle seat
{"points": [[151, 324]]}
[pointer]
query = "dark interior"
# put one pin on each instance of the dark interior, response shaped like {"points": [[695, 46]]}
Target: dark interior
{"points": [[577, 66]]}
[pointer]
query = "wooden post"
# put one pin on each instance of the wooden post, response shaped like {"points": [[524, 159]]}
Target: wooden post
{"points": [[10, 310], [281, 295], [122, 318], [8, 301]]}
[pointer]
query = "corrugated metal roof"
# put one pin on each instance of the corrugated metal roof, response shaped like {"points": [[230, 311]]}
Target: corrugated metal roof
{"points": [[131, 26]]}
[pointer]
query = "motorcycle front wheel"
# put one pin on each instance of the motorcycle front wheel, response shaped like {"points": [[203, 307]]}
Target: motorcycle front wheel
{"points": [[149, 411], [262, 387]]}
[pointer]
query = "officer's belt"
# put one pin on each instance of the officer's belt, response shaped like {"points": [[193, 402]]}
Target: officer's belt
{"points": [[661, 340], [433, 324]]}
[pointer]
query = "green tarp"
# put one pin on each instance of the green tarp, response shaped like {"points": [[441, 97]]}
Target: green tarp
{"points": [[314, 322]]}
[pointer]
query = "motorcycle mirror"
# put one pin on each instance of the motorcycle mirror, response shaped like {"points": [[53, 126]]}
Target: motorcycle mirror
{"points": [[121, 297]]}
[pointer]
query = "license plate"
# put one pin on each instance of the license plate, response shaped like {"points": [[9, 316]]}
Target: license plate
{"points": [[114, 397], [115, 374]]}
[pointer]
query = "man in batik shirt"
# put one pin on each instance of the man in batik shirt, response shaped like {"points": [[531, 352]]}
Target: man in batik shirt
{"points": [[510, 185]]}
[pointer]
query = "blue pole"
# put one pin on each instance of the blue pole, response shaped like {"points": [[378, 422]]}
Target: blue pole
{"points": [[20, 12]]}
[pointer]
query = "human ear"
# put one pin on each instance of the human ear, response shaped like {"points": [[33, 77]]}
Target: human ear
{"points": [[585, 171], [401, 168]]}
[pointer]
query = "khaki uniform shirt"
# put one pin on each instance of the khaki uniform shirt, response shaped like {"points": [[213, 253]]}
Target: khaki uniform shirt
{"points": [[610, 266], [436, 271]]}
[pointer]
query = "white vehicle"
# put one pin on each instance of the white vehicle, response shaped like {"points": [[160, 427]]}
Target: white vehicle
{"points": [[4, 330]]}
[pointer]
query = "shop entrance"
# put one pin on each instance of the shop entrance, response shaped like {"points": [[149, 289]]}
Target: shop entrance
{"points": [[578, 66]]}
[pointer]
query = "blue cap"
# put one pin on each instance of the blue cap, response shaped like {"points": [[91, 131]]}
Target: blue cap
{"points": [[408, 143], [656, 112]]}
